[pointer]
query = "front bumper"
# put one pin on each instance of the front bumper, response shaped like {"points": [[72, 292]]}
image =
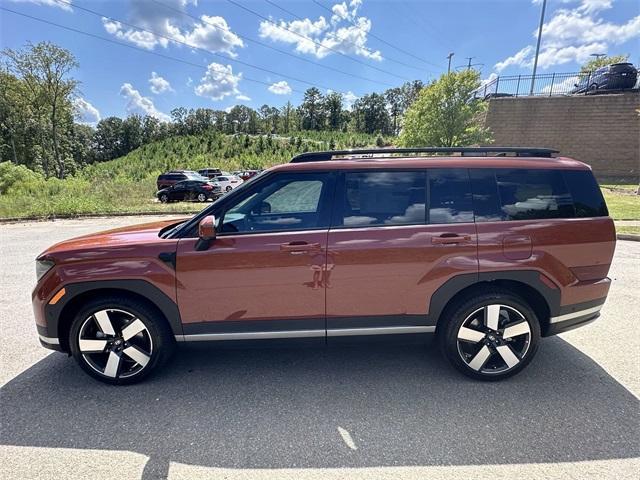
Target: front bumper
{"points": [[52, 343]]}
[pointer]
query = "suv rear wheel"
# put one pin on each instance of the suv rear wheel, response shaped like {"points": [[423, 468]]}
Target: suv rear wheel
{"points": [[490, 336], [119, 340]]}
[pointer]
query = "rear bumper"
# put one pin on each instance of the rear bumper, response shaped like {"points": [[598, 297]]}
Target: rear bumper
{"points": [[574, 316]]}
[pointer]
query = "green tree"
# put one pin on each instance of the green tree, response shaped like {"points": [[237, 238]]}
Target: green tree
{"points": [[44, 68], [370, 115], [445, 114], [311, 110], [333, 110], [108, 139], [598, 62]]}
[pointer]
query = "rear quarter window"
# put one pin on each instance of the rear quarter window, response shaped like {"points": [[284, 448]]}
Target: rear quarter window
{"points": [[586, 194]]}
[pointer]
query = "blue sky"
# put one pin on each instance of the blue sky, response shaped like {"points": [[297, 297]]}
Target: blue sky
{"points": [[354, 47]]}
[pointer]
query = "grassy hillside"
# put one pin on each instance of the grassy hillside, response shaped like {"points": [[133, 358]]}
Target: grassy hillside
{"points": [[128, 184]]}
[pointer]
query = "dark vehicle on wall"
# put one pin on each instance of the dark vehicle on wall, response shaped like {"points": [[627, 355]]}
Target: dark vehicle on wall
{"points": [[489, 249], [618, 76], [174, 176], [190, 190]]}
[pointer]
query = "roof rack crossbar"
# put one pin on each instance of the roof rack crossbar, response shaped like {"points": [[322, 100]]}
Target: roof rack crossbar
{"points": [[517, 151]]}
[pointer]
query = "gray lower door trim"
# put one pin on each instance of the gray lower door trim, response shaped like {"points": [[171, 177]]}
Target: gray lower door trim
{"points": [[580, 313], [348, 332], [335, 332], [205, 337]]}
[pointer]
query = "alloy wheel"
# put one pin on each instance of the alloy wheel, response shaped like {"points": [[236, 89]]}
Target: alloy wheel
{"points": [[494, 339], [115, 343], [202, 197]]}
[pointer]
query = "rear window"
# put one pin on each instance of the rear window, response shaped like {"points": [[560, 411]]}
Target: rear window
{"points": [[587, 197], [383, 198], [533, 194], [521, 194]]}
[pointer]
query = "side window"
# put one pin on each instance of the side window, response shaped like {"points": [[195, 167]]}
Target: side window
{"points": [[449, 196], [286, 202], [382, 198], [533, 194], [587, 197]]}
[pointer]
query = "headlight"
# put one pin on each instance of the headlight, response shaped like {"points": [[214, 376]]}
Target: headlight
{"points": [[42, 267]]}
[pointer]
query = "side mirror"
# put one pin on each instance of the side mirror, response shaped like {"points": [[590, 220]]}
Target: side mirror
{"points": [[206, 232], [262, 209]]}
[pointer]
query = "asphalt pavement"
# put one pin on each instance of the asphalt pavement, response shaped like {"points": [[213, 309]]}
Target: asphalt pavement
{"points": [[368, 411]]}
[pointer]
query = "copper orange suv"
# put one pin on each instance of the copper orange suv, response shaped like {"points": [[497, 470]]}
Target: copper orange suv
{"points": [[489, 248]]}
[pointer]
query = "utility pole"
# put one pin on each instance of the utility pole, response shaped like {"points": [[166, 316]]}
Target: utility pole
{"points": [[535, 62], [469, 63], [450, 56]]}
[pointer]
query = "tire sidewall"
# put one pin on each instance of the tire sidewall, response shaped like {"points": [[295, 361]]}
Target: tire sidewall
{"points": [[448, 338], [161, 345]]}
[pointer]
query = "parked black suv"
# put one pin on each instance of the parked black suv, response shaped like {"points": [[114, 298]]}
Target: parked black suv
{"points": [[617, 76], [200, 190], [174, 176]]}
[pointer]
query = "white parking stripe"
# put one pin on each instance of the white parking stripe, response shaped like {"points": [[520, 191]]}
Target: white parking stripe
{"points": [[346, 436]]}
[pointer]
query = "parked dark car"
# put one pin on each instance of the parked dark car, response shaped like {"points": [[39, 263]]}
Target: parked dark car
{"points": [[210, 172], [191, 190], [489, 253], [617, 76], [174, 176]]}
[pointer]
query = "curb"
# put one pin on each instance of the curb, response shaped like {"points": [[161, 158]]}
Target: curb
{"points": [[628, 236], [91, 215]]}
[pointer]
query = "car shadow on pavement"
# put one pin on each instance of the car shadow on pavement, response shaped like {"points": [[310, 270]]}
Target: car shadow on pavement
{"points": [[280, 408]]}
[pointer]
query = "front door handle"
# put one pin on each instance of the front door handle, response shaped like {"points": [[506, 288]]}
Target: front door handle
{"points": [[450, 238], [296, 248]]}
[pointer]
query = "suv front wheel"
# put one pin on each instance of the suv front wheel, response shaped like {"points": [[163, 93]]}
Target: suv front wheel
{"points": [[119, 340], [490, 336]]}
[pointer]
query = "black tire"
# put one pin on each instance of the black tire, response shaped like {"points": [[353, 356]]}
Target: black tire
{"points": [[164, 198], [467, 349], [202, 197], [593, 88], [158, 348]]}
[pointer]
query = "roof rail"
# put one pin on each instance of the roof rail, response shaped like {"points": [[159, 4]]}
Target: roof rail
{"points": [[481, 151]]}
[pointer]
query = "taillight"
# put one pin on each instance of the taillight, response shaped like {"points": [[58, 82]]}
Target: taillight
{"points": [[207, 187]]}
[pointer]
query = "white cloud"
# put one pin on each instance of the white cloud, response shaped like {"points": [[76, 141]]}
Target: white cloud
{"points": [[219, 82], [322, 36], [280, 88], [243, 98], [573, 34], [85, 112], [519, 58], [158, 84], [136, 103], [349, 98], [210, 32], [47, 3]]}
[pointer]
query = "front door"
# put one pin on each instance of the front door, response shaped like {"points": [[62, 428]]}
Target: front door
{"points": [[262, 276], [389, 248]]}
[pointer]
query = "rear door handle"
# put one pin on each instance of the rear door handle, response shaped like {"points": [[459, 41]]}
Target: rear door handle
{"points": [[447, 239], [296, 248]]}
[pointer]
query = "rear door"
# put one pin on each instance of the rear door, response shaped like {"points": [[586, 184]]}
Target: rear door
{"points": [[388, 251]]}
